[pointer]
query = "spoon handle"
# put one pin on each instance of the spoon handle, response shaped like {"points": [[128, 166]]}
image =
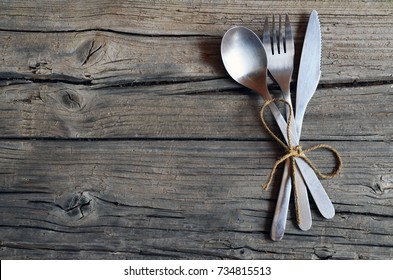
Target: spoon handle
{"points": [[322, 200], [282, 124]]}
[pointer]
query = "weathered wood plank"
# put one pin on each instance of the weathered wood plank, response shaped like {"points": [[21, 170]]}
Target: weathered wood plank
{"points": [[179, 17], [182, 199], [142, 72], [185, 110], [107, 58]]}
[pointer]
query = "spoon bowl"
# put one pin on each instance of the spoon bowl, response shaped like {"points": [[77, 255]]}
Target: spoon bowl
{"points": [[245, 59]]}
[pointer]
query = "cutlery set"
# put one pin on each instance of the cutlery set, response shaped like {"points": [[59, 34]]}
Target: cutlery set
{"points": [[248, 59]]}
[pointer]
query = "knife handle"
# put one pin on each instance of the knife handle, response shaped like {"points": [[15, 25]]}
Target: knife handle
{"points": [[302, 204], [282, 205]]}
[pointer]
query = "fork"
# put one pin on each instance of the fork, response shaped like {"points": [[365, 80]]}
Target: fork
{"points": [[280, 52]]}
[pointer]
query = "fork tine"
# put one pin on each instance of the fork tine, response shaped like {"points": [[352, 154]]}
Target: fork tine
{"points": [[289, 42], [266, 37], [281, 43], [275, 49]]}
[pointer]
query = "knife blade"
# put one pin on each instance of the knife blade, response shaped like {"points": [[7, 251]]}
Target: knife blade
{"points": [[309, 68], [308, 79]]}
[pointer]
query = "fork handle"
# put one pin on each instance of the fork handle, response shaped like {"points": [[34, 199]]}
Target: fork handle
{"points": [[302, 203], [303, 211]]}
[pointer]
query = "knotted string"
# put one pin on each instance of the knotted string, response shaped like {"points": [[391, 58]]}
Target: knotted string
{"points": [[296, 151]]}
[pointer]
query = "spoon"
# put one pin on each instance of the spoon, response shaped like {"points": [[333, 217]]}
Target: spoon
{"points": [[245, 60]]}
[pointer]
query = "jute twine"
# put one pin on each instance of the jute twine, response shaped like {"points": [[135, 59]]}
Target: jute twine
{"points": [[296, 151]]}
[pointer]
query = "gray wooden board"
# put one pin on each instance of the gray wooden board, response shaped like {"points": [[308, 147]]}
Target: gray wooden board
{"points": [[182, 199], [102, 57], [122, 136], [186, 110]]}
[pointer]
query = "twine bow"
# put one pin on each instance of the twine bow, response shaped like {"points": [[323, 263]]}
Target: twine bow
{"points": [[296, 151]]}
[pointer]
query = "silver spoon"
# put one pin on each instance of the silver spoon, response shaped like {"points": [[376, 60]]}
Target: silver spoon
{"points": [[245, 60]]}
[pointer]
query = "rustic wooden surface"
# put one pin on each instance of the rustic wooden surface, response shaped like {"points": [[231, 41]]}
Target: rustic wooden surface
{"points": [[122, 136]]}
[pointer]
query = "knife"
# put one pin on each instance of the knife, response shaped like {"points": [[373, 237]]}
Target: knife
{"points": [[308, 79]]}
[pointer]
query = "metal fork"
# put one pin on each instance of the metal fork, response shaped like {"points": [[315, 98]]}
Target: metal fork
{"points": [[280, 52]]}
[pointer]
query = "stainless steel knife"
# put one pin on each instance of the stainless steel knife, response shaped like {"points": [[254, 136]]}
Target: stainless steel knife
{"points": [[308, 79]]}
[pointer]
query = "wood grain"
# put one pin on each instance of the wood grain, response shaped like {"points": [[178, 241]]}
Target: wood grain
{"points": [[128, 42], [120, 128], [192, 110], [107, 58], [179, 17], [176, 199]]}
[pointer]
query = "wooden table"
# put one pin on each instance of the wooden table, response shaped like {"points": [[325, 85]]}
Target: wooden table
{"points": [[122, 135]]}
